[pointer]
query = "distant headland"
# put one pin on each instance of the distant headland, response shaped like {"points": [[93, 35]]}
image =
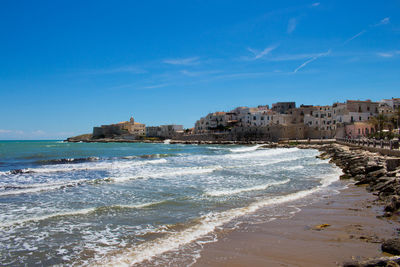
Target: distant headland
{"points": [[352, 119]]}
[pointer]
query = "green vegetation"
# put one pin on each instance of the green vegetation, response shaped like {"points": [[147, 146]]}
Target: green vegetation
{"points": [[384, 125]]}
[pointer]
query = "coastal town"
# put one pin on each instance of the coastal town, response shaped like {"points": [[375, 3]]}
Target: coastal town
{"points": [[353, 119]]}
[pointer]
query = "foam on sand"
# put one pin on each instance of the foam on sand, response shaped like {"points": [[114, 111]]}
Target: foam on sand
{"points": [[206, 225], [248, 189]]}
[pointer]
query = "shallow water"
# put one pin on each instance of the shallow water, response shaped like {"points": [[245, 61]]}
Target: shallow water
{"points": [[114, 203]]}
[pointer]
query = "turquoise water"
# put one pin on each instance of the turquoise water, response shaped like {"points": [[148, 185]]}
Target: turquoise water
{"points": [[151, 204]]}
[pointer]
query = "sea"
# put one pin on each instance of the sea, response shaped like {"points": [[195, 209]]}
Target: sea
{"points": [[144, 204]]}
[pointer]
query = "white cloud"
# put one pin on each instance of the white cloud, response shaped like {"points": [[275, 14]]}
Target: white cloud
{"points": [[384, 21], [291, 25], [315, 4], [260, 54], [198, 73], [355, 36], [292, 57], [5, 131], [183, 61], [121, 69], [39, 132], [156, 86], [311, 60], [385, 54], [389, 54]]}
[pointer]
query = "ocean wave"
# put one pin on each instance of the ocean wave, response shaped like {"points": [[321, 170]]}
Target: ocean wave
{"points": [[35, 188], [67, 160], [245, 149], [168, 173], [150, 156], [206, 225], [292, 168], [87, 211], [218, 193], [106, 165], [17, 189], [260, 153]]}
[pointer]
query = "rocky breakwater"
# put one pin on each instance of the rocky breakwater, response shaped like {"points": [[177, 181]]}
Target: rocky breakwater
{"points": [[381, 174]]}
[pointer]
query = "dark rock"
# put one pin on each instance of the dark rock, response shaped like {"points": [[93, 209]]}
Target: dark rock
{"points": [[351, 264], [377, 173], [372, 166], [392, 164], [381, 185], [391, 246], [344, 177], [20, 171], [393, 205]]}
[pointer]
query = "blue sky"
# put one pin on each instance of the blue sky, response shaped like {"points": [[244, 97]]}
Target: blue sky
{"points": [[66, 66]]}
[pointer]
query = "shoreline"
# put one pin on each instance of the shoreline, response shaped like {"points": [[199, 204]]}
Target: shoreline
{"points": [[327, 232], [347, 229], [297, 245]]}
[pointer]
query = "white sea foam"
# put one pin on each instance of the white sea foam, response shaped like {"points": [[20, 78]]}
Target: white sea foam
{"points": [[262, 153], [245, 149], [106, 165], [206, 225], [218, 193], [34, 188], [75, 213], [292, 168], [168, 172]]}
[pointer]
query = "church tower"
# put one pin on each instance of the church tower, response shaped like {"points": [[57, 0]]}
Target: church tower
{"points": [[132, 121]]}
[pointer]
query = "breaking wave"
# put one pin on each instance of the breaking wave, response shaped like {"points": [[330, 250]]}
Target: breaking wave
{"points": [[206, 225], [247, 189]]}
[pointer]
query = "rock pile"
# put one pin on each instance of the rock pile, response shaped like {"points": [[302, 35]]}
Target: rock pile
{"points": [[381, 174]]}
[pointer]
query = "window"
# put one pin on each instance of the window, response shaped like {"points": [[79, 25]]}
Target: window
{"points": [[359, 118], [352, 119]]}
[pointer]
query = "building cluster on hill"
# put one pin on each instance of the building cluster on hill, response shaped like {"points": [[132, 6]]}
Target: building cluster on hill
{"points": [[286, 121], [283, 120], [135, 130]]}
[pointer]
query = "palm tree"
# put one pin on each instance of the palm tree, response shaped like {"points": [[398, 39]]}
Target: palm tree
{"points": [[379, 122], [396, 119]]}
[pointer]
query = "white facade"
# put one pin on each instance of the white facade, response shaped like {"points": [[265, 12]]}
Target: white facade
{"points": [[321, 118]]}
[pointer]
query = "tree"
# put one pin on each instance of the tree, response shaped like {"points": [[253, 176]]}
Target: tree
{"points": [[380, 122], [396, 119]]}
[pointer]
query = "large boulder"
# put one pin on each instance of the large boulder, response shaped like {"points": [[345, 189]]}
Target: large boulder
{"points": [[391, 246]]}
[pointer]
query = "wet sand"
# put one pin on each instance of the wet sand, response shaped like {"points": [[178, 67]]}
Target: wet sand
{"points": [[354, 232]]}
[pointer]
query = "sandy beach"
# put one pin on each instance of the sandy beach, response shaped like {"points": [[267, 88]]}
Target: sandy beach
{"points": [[354, 232]]}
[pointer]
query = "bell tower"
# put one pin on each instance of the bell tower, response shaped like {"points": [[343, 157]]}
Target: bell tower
{"points": [[132, 121]]}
